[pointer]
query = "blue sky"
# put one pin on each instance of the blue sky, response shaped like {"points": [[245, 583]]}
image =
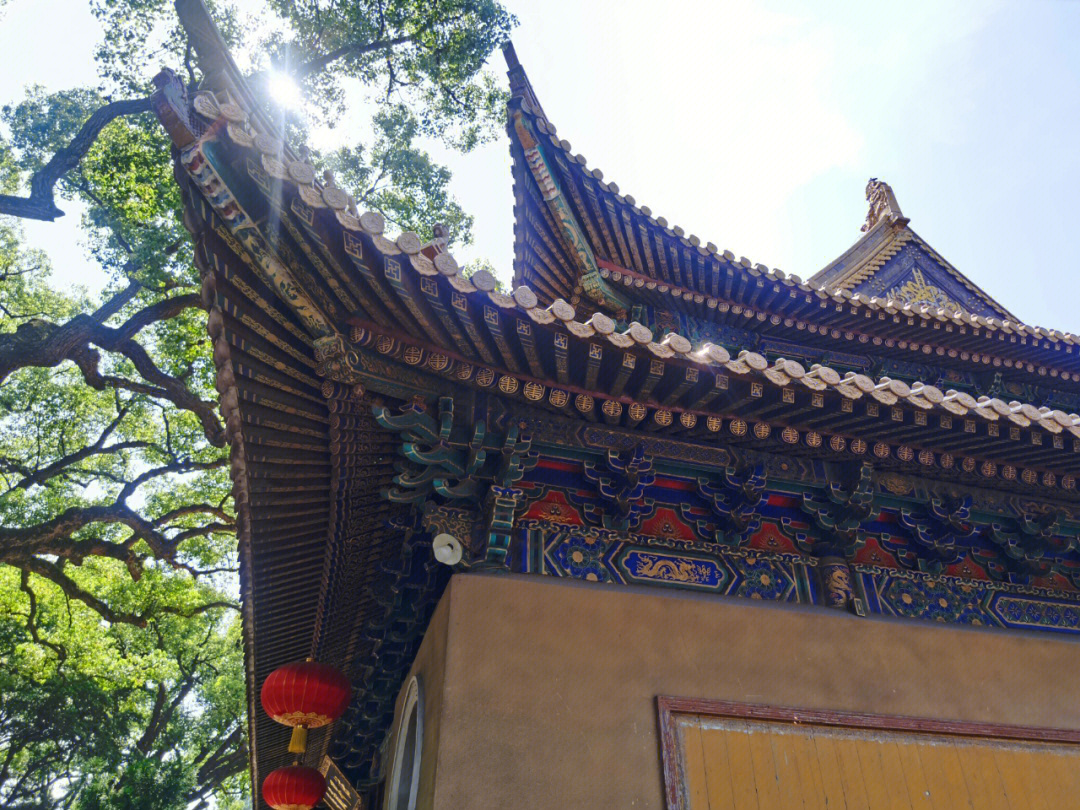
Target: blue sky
{"points": [[756, 125]]}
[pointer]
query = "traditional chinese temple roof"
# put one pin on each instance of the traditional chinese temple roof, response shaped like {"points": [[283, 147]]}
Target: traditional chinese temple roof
{"points": [[321, 319], [579, 238], [892, 262]]}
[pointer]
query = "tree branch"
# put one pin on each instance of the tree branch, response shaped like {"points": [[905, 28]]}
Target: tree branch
{"points": [[153, 725], [194, 509], [183, 466], [97, 448], [53, 536], [229, 758], [320, 63], [40, 204], [55, 574], [44, 344], [31, 626], [60, 466], [195, 611], [121, 299]]}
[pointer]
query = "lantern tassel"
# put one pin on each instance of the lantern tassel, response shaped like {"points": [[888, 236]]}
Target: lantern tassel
{"points": [[298, 741]]}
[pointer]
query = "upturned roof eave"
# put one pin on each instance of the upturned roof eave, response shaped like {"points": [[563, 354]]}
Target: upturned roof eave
{"points": [[843, 271], [836, 277]]}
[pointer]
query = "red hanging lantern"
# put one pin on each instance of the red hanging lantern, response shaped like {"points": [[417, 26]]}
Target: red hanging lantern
{"points": [[305, 694], [295, 787]]}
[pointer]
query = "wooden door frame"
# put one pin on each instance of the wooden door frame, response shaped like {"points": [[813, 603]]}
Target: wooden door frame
{"points": [[668, 707]]}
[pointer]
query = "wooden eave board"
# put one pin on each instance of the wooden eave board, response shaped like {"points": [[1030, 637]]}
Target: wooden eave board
{"points": [[295, 602], [840, 270], [737, 400], [874, 333]]}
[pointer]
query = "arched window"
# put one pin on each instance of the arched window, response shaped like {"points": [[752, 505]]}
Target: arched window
{"points": [[405, 776]]}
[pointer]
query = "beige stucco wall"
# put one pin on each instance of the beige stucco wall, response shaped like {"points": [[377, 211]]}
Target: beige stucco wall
{"points": [[546, 697], [429, 666]]}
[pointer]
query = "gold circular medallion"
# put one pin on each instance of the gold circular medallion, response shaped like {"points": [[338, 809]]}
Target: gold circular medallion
{"points": [[827, 375], [483, 280], [678, 343], [266, 144], [794, 370], [206, 105], [718, 354], [602, 323], [754, 360]]}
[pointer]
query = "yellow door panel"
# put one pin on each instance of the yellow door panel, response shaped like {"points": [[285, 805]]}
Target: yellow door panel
{"points": [[746, 763]]}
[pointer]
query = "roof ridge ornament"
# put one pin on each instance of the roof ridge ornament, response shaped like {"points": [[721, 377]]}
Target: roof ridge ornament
{"points": [[883, 205]]}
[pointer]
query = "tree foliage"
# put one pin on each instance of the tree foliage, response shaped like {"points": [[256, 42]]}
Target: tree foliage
{"points": [[120, 659], [121, 672]]}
